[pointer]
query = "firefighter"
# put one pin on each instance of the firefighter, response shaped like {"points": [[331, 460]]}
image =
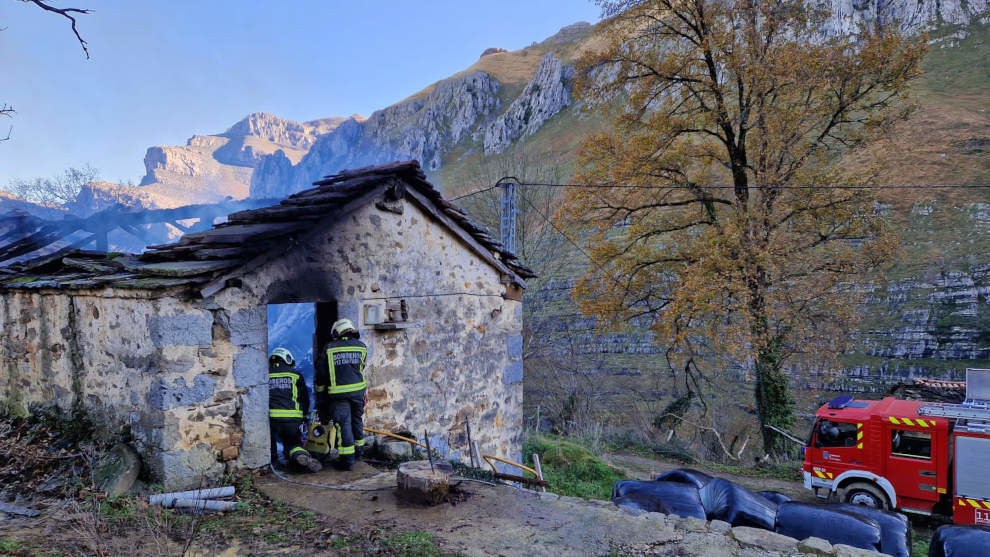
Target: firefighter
{"points": [[340, 389], [288, 404]]}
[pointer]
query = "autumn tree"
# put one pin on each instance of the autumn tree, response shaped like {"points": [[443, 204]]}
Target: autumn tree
{"points": [[728, 222]]}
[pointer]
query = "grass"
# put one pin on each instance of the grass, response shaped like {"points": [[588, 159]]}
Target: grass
{"points": [[415, 543], [570, 468], [919, 544], [10, 546]]}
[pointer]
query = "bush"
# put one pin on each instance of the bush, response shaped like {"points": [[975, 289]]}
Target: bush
{"points": [[571, 469]]}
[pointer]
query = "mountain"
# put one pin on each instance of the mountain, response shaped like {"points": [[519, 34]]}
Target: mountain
{"points": [[929, 318]]}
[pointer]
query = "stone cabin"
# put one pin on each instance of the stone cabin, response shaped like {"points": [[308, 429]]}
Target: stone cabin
{"points": [[170, 346]]}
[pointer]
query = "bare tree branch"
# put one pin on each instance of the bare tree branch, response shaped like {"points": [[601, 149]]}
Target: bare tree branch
{"points": [[66, 13]]}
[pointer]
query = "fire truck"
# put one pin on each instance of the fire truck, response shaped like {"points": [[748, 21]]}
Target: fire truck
{"points": [[920, 457]]}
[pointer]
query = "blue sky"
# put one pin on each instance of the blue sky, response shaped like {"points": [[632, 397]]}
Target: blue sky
{"points": [[162, 71]]}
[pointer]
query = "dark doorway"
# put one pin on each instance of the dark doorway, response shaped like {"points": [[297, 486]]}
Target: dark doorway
{"points": [[323, 319]]}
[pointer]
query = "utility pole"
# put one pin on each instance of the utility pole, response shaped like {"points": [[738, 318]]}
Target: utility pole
{"points": [[508, 212]]}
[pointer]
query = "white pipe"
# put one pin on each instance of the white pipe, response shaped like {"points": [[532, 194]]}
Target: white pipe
{"points": [[193, 494], [201, 504]]}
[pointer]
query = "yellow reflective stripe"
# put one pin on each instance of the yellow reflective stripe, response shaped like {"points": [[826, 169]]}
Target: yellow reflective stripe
{"points": [[333, 370], [345, 450], [277, 413], [859, 435], [296, 450], [359, 442], [973, 503], [820, 474], [348, 388], [830, 475], [893, 420], [907, 421], [921, 422], [859, 446]]}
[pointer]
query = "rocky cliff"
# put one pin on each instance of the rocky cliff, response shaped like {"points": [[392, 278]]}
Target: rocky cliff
{"points": [[908, 15], [424, 128]]}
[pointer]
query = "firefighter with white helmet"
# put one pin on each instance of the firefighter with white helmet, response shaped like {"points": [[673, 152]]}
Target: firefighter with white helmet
{"points": [[340, 388], [288, 404]]}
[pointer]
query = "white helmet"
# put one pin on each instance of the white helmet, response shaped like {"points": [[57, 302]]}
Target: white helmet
{"points": [[282, 354], [342, 327]]}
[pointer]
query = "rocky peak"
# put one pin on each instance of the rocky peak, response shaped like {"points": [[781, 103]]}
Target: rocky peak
{"points": [[421, 128], [280, 131], [546, 94]]}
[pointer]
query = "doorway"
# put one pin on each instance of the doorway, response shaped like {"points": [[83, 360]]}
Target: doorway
{"points": [[324, 316]]}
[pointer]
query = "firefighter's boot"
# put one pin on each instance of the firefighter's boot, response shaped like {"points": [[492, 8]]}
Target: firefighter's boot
{"points": [[306, 461]]}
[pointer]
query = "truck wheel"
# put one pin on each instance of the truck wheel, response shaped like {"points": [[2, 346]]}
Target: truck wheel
{"points": [[866, 494]]}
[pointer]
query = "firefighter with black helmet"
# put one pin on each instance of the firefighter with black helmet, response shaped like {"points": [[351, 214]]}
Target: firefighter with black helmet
{"points": [[340, 388], [288, 404]]}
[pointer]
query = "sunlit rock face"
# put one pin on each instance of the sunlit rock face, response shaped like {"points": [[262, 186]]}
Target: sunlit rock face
{"points": [[424, 128], [908, 15], [544, 96]]}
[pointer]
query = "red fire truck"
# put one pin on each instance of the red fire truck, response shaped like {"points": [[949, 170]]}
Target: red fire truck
{"points": [[920, 457]]}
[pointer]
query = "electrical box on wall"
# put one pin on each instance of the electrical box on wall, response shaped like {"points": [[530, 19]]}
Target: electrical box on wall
{"points": [[386, 315], [373, 312]]}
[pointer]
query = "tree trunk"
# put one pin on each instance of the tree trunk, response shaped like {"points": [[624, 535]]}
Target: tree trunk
{"points": [[774, 404]]}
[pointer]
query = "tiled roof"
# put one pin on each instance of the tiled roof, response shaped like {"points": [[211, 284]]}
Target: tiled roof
{"points": [[207, 259]]}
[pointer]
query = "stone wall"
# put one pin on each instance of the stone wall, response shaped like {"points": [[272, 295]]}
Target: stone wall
{"points": [[167, 371], [460, 359]]}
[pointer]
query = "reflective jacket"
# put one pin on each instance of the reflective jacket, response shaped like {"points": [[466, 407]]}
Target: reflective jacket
{"points": [[288, 396], [340, 367]]}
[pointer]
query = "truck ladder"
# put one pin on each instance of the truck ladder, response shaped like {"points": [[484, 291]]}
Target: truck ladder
{"points": [[971, 411]]}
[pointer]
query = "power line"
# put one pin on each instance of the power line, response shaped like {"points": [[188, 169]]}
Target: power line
{"points": [[681, 187]]}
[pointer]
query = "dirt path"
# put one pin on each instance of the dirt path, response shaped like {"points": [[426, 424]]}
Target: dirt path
{"points": [[493, 520], [642, 468]]}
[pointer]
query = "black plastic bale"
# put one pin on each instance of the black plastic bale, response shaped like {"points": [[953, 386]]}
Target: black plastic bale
{"points": [[960, 541], [803, 520], [686, 476], [895, 530], [642, 502], [732, 503], [680, 499], [774, 496]]}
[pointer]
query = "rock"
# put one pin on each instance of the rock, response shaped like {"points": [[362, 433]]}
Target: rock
{"points": [[492, 50], [117, 471], [546, 94], [419, 482], [396, 450], [763, 539], [719, 526], [693, 524], [814, 546], [841, 550], [547, 496], [230, 453]]}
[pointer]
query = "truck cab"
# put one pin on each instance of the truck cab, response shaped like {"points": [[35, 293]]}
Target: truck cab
{"points": [[915, 456], [878, 453]]}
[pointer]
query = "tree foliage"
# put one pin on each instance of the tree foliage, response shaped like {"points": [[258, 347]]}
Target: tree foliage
{"points": [[749, 234]]}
